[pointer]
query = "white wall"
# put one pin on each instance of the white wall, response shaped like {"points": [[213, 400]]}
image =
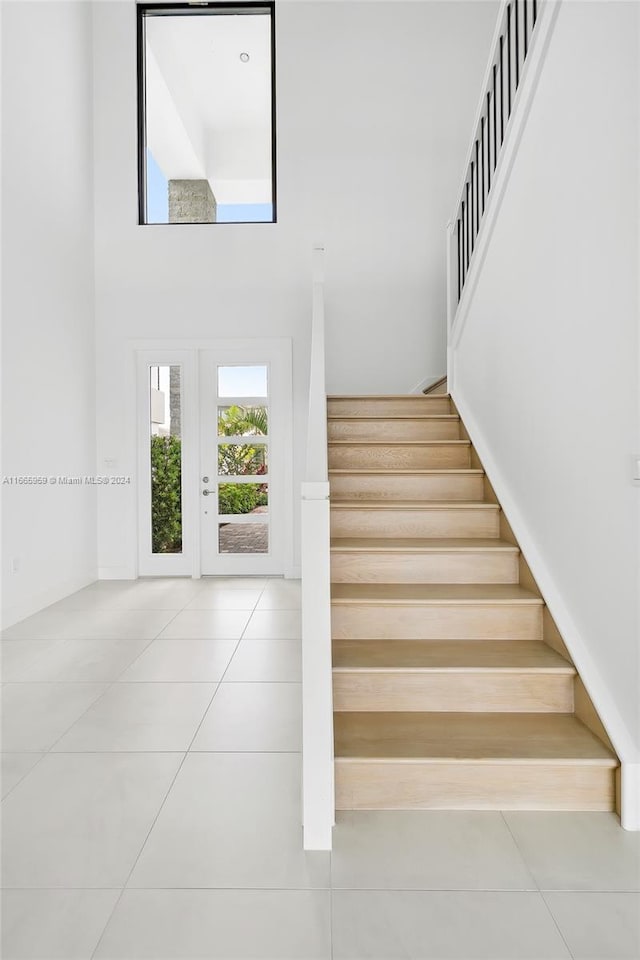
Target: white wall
{"points": [[547, 366], [47, 301], [374, 106]]}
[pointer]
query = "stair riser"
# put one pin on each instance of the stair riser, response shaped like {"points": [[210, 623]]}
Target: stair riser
{"points": [[398, 457], [387, 406], [468, 621], [454, 487], [482, 691], [397, 567], [447, 522], [394, 430], [444, 785]]}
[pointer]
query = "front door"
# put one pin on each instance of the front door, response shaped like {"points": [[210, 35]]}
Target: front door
{"points": [[241, 491]]}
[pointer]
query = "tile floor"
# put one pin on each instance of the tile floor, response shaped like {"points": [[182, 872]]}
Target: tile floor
{"points": [[151, 782]]}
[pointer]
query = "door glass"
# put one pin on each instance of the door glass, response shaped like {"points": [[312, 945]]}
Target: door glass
{"points": [[243, 538], [239, 499], [241, 381], [165, 430], [242, 459], [242, 406]]}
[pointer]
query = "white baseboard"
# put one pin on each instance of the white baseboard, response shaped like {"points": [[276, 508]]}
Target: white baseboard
{"points": [[588, 670], [293, 572], [45, 598], [419, 387], [630, 796]]}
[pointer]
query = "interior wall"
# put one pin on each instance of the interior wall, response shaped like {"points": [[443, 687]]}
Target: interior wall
{"points": [[49, 530], [375, 102], [547, 364]]}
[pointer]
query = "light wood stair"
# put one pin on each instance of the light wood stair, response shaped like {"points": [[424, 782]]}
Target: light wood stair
{"points": [[452, 688]]}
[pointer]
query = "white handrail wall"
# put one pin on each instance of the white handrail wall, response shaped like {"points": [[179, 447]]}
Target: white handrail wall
{"points": [[317, 695]]}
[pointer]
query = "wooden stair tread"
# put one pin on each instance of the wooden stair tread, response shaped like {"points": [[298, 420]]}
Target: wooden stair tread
{"points": [[411, 471], [388, 396], [359, 442], [435, 655], [425, 593], [423, 544], [377, 418], [413, 504], [414, 737]]}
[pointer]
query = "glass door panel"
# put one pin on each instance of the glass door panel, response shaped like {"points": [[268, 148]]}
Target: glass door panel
{"points": [[236, 528]]}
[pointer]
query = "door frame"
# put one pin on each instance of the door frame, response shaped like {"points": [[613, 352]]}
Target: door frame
{"points": [[186, 353]]}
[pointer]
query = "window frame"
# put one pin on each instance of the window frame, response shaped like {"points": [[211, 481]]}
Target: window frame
{"points": [[197, 9]]}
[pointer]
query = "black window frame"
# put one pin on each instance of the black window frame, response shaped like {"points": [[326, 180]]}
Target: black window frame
{"points": [[197, 9]]}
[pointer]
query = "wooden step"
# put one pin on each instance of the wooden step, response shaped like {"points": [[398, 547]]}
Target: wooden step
{"points": [[410, 455], [470, 761], [426, 485], [476, 675], [435, 611], [353, 518], [387, 405], [443, 427], [423, 560]]}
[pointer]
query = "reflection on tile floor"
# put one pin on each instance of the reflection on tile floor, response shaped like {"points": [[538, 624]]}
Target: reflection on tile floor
{"points": [[151, 777]]}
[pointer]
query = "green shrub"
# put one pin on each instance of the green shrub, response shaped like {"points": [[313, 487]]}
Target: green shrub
{"points": [[240, 497], [166, 495]]}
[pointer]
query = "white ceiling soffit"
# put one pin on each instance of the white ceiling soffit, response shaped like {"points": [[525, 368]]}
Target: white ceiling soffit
{"points": [[220, 106]]}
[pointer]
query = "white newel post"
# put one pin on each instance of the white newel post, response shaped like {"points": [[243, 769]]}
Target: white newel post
{"points": [[318, 808]]}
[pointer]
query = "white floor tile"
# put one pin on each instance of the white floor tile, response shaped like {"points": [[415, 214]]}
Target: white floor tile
{"points": [[232, 820], [452, 925], [207, 624], [155, 594], [274, 625], [281, 595], [35, 715], [67, 660], [235, 583], [224, 598], [182, 660], [91, 625], [141, 716], [253, 717], [577, 851], [598, 926], [54, 924], [15, 766], [269, 660], [79, 820], [426, 850], [219, 925]]}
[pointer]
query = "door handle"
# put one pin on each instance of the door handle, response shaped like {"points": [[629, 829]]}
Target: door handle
{"points": [[205, 493]]}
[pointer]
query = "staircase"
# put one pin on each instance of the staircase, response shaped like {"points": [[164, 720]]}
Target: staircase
{"points": [[452, 688]]}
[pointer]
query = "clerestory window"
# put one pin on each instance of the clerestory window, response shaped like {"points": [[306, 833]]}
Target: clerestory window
{"points": [[206, 113]]}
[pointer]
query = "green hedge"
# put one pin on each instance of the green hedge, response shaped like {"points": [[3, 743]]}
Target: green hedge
{"points": [[241, 497], [166, 495]]}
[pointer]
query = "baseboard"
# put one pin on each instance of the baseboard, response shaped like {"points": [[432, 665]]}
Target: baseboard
{"points": [[39, 601], [294, 572], [419, 387], [588, 670]]}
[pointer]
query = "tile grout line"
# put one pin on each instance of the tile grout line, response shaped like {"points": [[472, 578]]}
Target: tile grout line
{"points": [[110, 685], [556, 924], [166, 797], [535, 888]]}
